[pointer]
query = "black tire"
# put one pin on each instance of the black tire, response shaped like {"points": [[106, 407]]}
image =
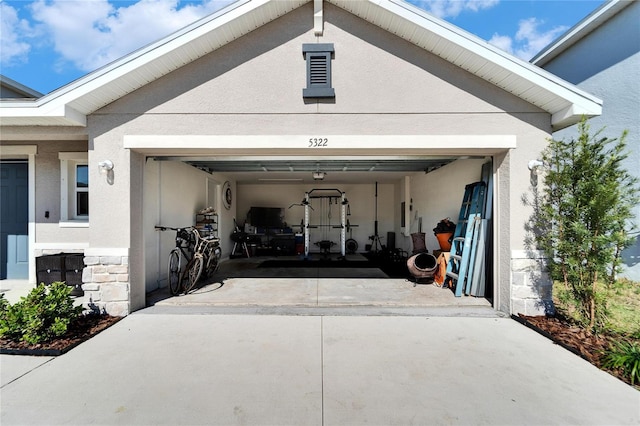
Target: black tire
{"points": [[213, 262], [194, 272], [174, 275]]}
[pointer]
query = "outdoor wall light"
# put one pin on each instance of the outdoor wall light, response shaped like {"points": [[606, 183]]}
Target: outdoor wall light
{"points": [[105, 166], [533, 164], [106, 169], [536, 168], [318, 175]]}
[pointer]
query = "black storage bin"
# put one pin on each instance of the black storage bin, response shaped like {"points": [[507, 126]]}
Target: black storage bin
{"points": [[65, 267], [73, 266], [50, 268]]}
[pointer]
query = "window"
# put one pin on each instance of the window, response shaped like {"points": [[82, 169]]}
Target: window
{"points": [[82, 190], [74, 187], [318, 57]]}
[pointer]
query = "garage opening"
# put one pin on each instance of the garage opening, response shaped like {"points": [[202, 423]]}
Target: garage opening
{"points": [[342, 218]]}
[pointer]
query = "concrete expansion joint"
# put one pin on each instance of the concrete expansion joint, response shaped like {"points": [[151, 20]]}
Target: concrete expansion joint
{"points": [[437, 311]]}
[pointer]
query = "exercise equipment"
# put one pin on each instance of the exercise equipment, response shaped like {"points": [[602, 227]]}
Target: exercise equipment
{"points": [[240, 240], [328, 197], [351, 245], [376, 244]]}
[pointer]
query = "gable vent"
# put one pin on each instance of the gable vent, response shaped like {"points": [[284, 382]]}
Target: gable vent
{"points": [[318, 57], [318, 70]]}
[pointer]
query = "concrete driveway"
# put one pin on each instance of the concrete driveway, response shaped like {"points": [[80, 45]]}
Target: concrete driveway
{"points": [[170, 366]]}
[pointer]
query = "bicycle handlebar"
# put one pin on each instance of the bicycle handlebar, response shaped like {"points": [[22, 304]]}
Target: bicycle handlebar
{"points": [[164, 228]]}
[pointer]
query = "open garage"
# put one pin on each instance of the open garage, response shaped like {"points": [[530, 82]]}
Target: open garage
{"points": [[333, 215]]}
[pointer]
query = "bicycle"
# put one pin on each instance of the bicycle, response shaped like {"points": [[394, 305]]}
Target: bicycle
{"points": [[206, 257], [199, 252]]}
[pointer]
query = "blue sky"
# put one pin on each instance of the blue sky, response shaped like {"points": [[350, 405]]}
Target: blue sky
{"points": [[46, 44]]}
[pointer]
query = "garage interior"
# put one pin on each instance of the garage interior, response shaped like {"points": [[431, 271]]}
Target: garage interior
{"points": [[345, 226]]}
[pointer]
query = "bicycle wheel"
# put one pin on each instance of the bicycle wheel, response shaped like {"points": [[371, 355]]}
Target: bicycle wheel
{"points": [[215, 262], [212, 261], [174, 275], [195, 270]]}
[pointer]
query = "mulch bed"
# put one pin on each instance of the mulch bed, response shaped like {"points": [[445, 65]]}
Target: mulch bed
{"points": [[82, 329], [581, 342]]}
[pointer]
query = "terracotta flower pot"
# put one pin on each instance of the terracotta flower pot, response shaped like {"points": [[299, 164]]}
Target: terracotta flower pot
{"points": [[443, 240]]}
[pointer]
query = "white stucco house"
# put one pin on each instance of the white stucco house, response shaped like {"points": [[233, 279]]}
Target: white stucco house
{"points": [[403, 103], [601, 54]]}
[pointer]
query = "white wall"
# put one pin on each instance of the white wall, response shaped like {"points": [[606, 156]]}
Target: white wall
{"points": [[174, 192], [362, 204], [438, 195]]}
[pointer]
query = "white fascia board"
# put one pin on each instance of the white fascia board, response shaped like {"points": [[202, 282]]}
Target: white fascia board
{"points": [[70, 116], [571, 115], [483, 49]]}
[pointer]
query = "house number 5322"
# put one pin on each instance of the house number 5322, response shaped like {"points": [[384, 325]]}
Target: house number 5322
{"points": [[318, 142]]}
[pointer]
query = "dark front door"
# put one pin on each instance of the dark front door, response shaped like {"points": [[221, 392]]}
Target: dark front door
{"points": [[14, 218]]}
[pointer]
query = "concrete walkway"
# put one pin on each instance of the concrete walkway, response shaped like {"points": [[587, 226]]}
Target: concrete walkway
{"points": [[168, 366]]}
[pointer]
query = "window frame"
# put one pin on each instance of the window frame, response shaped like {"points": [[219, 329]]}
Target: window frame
{"points": [[80, 189], [69, 162]]}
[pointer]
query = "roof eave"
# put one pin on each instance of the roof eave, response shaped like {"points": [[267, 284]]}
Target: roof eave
{"points": [[20, 88], [579, 31], [573, 113], [35, 115]]}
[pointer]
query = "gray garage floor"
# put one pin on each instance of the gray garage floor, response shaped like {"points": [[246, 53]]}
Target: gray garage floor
{"points": [[243, 283]]}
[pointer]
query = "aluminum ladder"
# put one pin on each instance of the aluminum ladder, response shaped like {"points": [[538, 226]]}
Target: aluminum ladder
{"points": [[464, 242]]}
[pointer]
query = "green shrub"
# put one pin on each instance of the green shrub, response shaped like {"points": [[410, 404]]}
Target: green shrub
{"points": [[624, 355], [45, 313]]}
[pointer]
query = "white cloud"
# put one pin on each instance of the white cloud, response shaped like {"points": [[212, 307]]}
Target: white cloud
{"points": [[529, 40], [13, 47], [90, 34], [452, 8], [502, 42]]}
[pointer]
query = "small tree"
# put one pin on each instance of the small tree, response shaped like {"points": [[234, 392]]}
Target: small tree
{"points": [[584, 216]]}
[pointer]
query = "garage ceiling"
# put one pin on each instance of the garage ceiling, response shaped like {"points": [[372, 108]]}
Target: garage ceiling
{"points": [[301, 169]]}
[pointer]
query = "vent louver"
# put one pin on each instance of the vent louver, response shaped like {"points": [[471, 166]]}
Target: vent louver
{"points": [[318, 58]]}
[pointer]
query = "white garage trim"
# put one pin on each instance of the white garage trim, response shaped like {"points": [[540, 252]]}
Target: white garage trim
{"points": [[319, 144]]}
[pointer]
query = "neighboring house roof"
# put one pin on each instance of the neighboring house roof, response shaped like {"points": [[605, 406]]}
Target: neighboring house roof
{"points": [[71, 104], [11, 87], [594, 20]]}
